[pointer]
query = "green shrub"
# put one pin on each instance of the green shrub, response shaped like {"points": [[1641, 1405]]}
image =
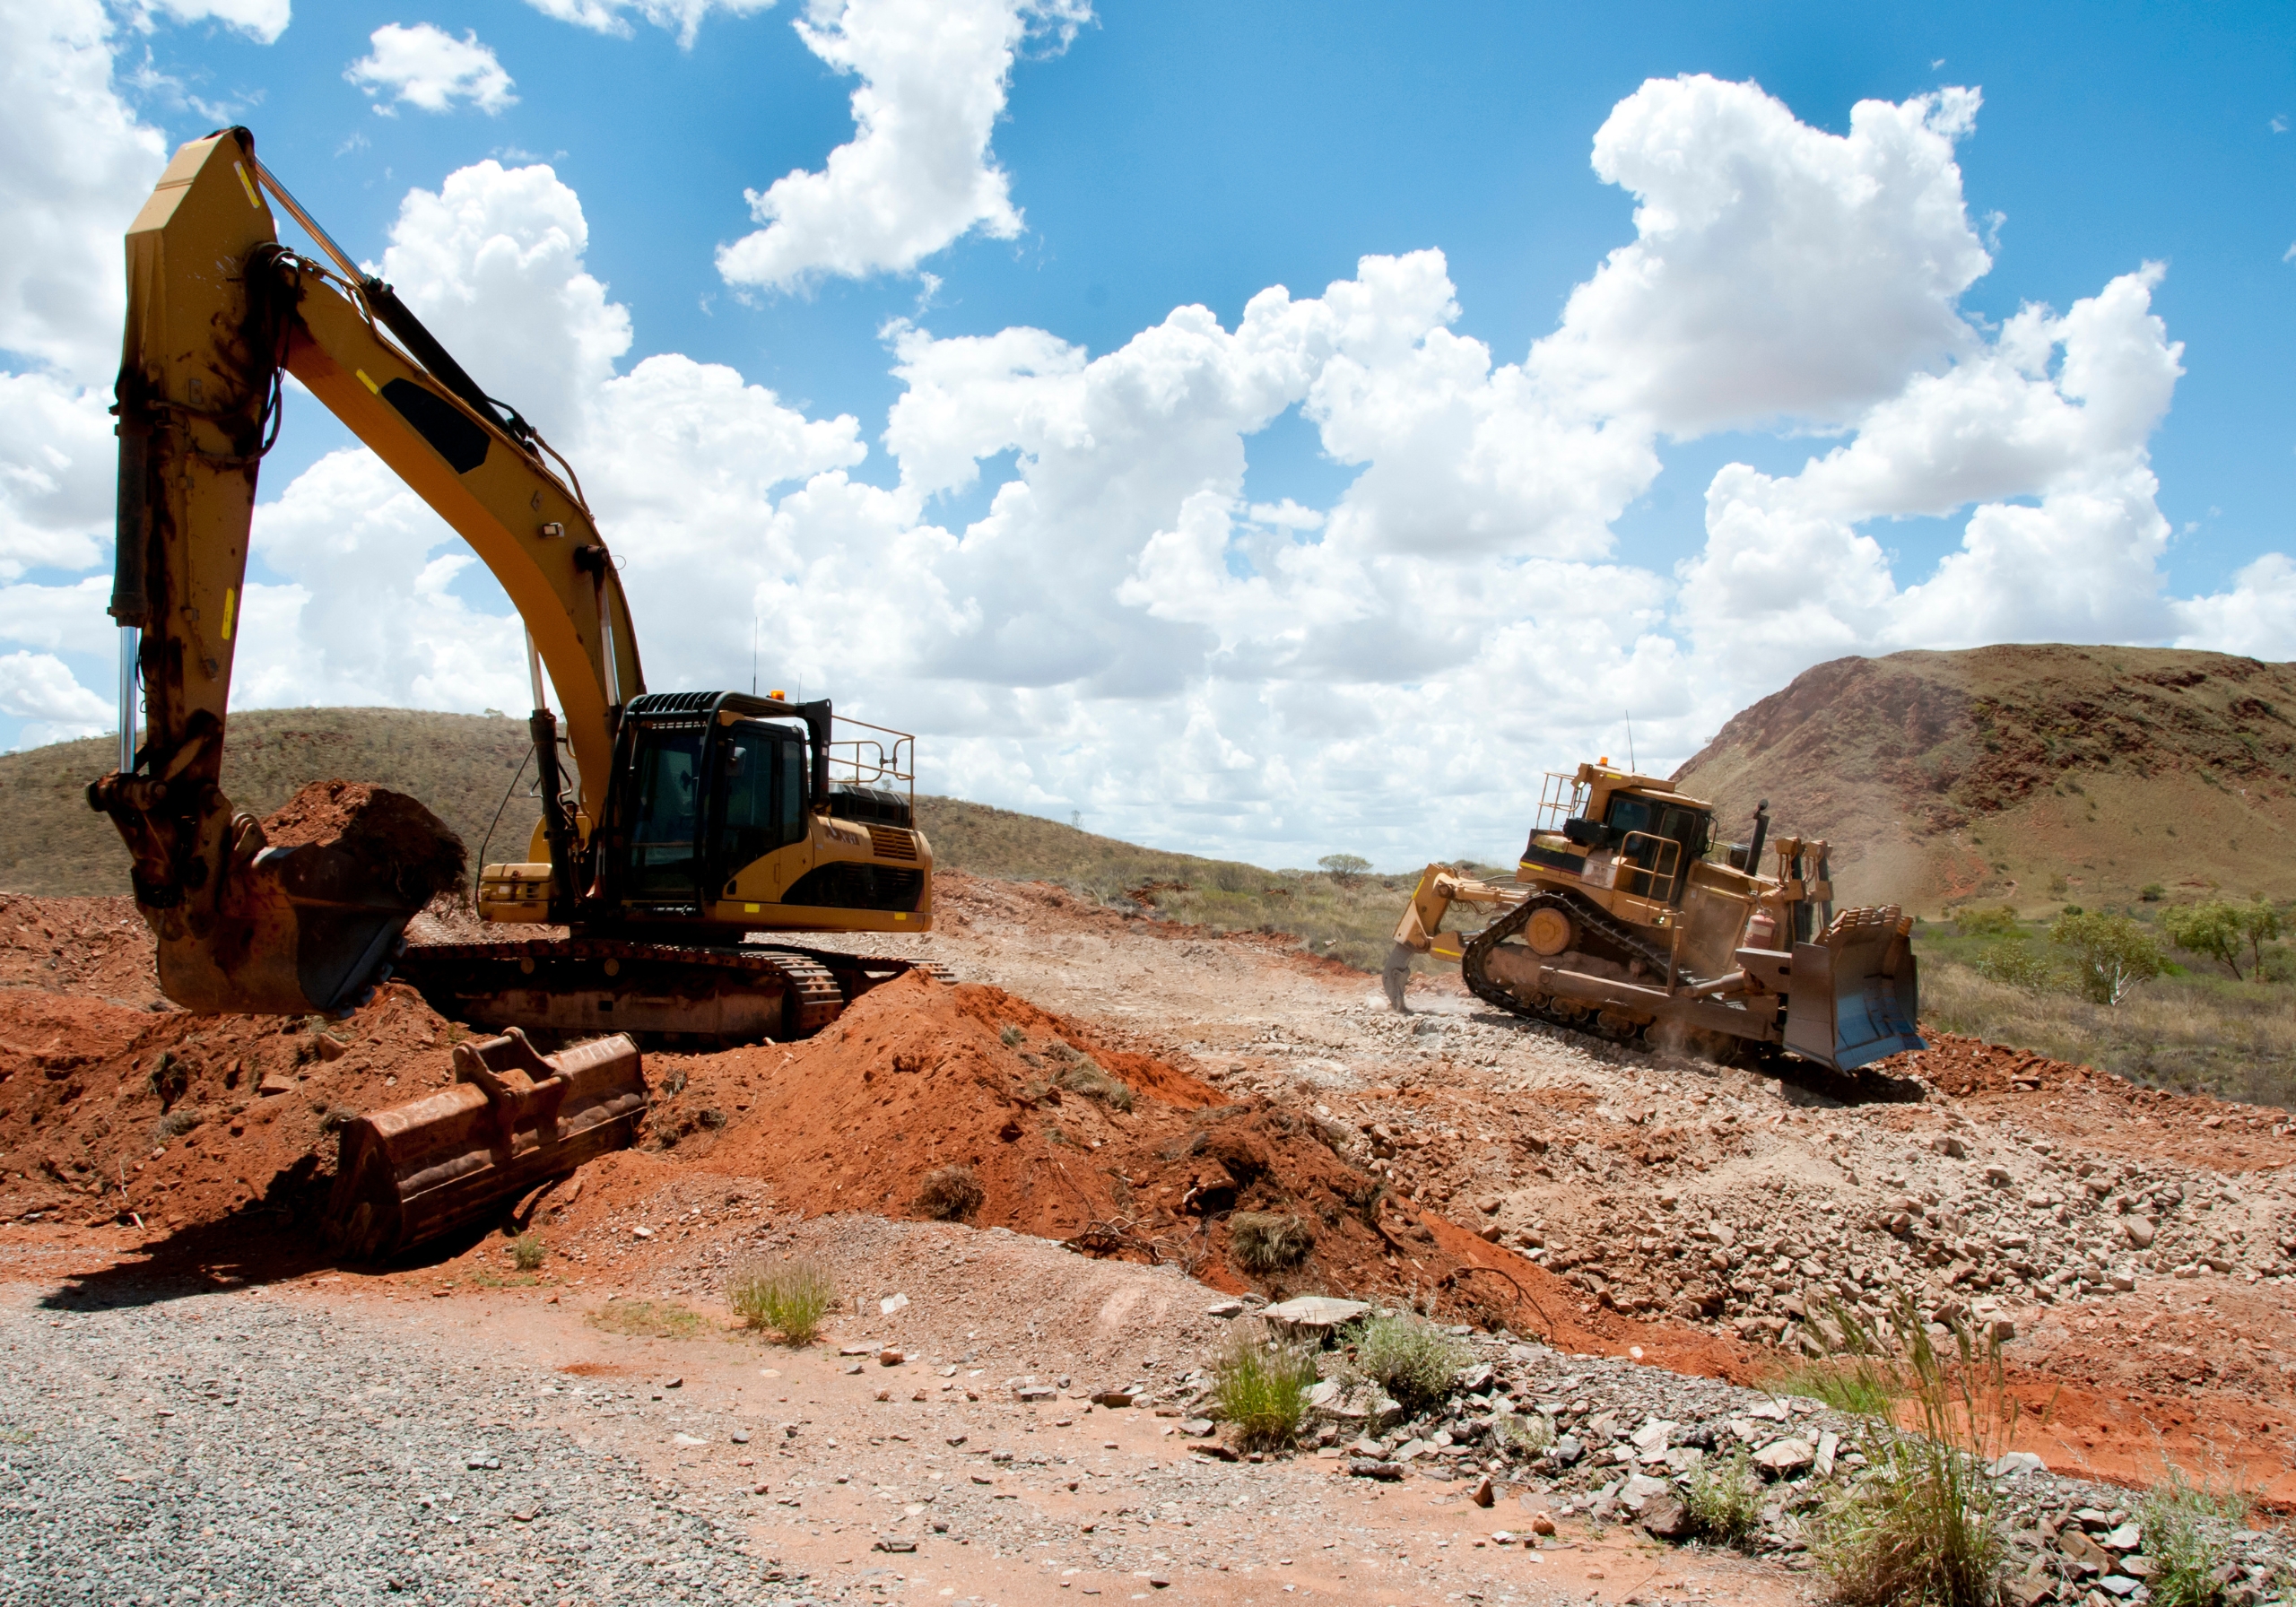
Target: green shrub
{"points": [[2151, 892], [2187, 1534], [789, 1298], [1412, 1361], [1012, 1037], [2001, 921], [1922, 1523], [1261, 1392], [2111, 954], [1262, 1241], [1860, 1386], [1723, 1497], [528, 1252], [2015, 963], [950, 1194], [2225, 933]]}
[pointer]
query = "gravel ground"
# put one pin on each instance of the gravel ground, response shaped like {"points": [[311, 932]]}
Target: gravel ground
{"points": [[234, 1447]]}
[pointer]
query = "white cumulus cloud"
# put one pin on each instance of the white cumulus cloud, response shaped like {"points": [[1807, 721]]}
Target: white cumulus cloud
{"points": [[430, 69], [39, 689], [918, 172], [263, 21], [612, 16]]}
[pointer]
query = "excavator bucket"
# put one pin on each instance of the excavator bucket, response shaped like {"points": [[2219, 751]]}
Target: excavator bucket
{"points": [[1856, 992], [514, 1119]]}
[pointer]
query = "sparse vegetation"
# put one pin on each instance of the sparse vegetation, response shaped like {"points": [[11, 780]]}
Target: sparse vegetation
{"points": [[950, 1194], [1414, 1362], [527, 1253], [786, 1298], [1080, 1073], [1264, 1241], [2111, 953], [1922, 1522], [2187, 1530], [1723, 1495], [1861, 1385], [1524, 1433], [2225, 933], [649, 1319], [1261, 1392], [2192, 1028]]}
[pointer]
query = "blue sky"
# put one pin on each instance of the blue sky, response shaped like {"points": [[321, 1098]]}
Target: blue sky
{"points": [[1178, 154]]}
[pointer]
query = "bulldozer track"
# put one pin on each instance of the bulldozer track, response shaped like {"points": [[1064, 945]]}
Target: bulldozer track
{"points": [[1477, 955], [817, 984], [1768, 1059]]}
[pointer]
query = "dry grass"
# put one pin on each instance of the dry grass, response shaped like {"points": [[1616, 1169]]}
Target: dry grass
{"points": [[527, 1253], [1921, 1522], [2191, 1033], [649, 1319], [1262, 1241], [1412, 1361], [786, 1298], [1261, 1392], [950, 1194], [1724, 1498], [2187, 1530]]}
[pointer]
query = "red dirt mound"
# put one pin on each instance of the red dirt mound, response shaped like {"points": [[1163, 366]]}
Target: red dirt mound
{"points": [[2108, 1114], [110, 1113], [919, 1075], [398, 842]]}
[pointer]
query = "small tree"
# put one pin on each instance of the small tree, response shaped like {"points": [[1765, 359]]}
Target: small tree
{"points": [[2111, 953], [2221, 931], [1345, 868]]}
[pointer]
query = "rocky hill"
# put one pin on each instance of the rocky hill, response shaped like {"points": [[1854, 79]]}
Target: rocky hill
{"points": [[2032, 775]]}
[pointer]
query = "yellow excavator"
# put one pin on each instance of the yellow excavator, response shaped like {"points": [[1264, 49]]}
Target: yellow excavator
{"points": [[1627, 920], [690, 821]]}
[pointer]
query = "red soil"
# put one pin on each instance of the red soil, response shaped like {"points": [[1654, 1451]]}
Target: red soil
{"points": [[396, 841]]}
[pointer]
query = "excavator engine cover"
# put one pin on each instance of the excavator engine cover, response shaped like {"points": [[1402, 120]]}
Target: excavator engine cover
{"points": [[514, 1119], [1856, 992]]}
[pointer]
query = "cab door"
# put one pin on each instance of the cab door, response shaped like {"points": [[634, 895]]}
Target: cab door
{"points": [[758, 810]]}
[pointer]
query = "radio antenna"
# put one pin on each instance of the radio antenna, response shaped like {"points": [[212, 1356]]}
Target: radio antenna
{"points": [[1630, 743]]}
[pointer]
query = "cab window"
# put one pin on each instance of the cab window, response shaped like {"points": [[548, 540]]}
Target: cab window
{"points": [[663, 819], [764, 793]]}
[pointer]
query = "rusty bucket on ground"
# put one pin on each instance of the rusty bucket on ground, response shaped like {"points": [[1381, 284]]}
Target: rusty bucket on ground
{"points": [[514, 1119]]}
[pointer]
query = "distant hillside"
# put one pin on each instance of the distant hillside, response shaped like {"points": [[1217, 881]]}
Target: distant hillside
{"points": [[459, 765], [2032, 775]]}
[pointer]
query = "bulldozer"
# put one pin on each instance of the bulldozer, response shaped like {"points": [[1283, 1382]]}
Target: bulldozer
{"points": [[1629, 921], [675, 827]]}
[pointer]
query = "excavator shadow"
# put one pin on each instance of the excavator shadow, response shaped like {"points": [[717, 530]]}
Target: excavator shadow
{"points": [[248, 1250]]}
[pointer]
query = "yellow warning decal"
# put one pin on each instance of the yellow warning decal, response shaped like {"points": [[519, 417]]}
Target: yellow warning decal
{"points": [[370, 384], [247, 184], [231, 606]]}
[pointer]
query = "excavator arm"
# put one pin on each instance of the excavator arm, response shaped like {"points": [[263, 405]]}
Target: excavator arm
{"points": [[218, 311]]}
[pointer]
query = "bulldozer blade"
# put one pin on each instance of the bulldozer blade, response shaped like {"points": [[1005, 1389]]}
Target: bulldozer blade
{"points": [[514, 1119], [298, 931], [1856, 992]]}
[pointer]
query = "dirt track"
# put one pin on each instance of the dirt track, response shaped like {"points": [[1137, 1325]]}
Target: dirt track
{"points": [[1704, 1217]]}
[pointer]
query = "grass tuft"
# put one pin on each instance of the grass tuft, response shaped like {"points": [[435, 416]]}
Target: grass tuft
{"points": [[950, 1194], [1414, 1362], [649, 1319], [2187, 1531], [1261, 1392], [1923, 1522], [1080, 1074], [527, 1253], [788, 1298], [1723, 1495], [1262, 1241]]}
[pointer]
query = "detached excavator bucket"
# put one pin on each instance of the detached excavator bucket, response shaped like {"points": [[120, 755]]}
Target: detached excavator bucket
{"points": [[514, 1119], [1855, 994]]}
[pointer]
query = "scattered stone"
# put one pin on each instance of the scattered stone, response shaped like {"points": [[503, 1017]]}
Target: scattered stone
{"points": [[1363, 1467], [893, 1545], [890, 1357], [1312, 1317], [1482, 1495], [1783, 1458], [1667, 1518], [1224, 1309], [1114, 1397], [2017, 1461], [892, 1303], [1197, 1427]]}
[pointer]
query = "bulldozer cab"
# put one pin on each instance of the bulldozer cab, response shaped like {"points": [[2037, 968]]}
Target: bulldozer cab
{"points": [[1629, 835]]}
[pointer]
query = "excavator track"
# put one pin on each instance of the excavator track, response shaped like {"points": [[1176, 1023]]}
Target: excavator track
{"points": [[667, 995]]}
